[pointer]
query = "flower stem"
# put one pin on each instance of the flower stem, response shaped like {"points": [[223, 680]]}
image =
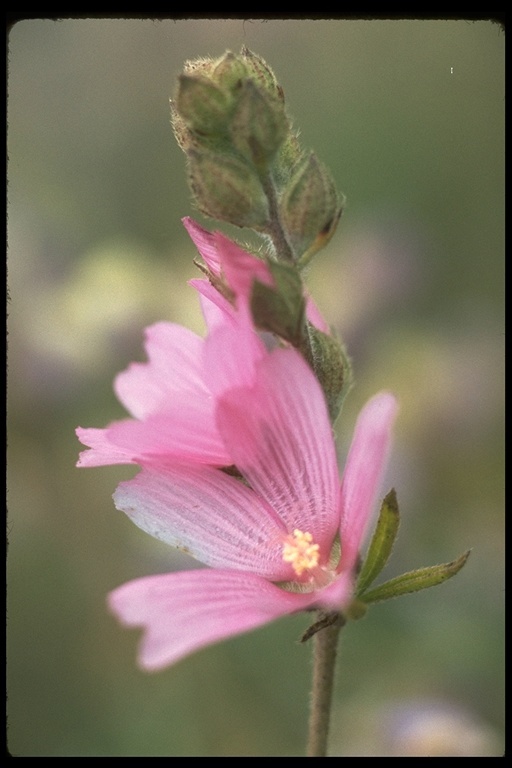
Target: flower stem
{"points": [[324, 659], [276, 231]]}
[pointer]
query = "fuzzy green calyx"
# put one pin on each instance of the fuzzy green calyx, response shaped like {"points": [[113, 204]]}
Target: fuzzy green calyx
{"points": [[310, 208]]}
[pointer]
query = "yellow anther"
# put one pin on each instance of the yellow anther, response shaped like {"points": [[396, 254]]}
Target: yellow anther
{"points": [[300, 552]]}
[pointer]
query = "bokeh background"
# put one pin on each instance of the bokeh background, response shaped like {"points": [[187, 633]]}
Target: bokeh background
{"points": [[409, 116]]}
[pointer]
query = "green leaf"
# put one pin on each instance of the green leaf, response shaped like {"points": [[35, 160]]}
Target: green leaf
{"points": [[381, 544], [414, 581]]}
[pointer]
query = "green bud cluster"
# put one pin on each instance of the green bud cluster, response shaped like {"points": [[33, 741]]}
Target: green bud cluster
{"points": [[245, 163]]}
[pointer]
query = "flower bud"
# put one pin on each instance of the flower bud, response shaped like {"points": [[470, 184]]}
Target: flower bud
{"points": [[260, 71], [259, 124], [227, 189], [229, 71], [310, 208], [202, 106]]}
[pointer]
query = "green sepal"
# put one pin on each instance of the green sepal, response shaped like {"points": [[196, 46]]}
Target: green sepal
{"points": [[414, 581], [258, 126], [227, 188], [228, 71], [329, 360], [203, 106], [356, 610], [381, 544], [310, 208], [280, 308], [262, 73]]}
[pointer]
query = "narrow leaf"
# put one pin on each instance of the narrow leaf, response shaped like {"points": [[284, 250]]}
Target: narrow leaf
{"points": [[382, 542], [414, 581]]}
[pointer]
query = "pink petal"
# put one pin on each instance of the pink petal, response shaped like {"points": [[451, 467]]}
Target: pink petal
{"points": [[279, 436], [314, 316], [240, 268], [215, 307], [205, 244], [363, 472], [173, 369], [187, 434], [338, 595], [231, 353], [102, 451], [182, 612], [208, 514]]}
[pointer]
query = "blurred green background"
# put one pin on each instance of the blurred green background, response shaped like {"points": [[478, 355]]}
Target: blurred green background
{"points": [[409, 116]]}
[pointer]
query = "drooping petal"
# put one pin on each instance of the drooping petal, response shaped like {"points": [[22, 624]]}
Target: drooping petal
{"points": [[363, 472], [182, 612], [214, 517], [279, 435], [173, 369]]}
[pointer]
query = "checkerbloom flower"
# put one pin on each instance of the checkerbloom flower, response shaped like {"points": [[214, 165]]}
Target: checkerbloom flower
{"points": [[238, 469]]}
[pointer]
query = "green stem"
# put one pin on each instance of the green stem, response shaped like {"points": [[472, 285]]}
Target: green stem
{"points": [[284, 252], [324, 659], [276, 231]]}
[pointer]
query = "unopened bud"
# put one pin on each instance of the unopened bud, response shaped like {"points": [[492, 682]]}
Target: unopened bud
{"points": [[310, 208], [202, 106], [229, 71], [203, 66], [262, 73], [259, 124]]}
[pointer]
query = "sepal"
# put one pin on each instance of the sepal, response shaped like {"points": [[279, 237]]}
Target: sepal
{"points": [[258, 126], [310, 208], [280, 309], [330, 362], [202, 105], [228, 189]]}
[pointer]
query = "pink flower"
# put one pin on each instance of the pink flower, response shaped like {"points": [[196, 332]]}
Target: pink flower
{"points": [[271, 542], [271, 536], [169, 398]]}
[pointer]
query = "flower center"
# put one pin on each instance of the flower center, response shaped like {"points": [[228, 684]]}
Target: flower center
{"points": [[299, 550]]}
